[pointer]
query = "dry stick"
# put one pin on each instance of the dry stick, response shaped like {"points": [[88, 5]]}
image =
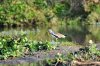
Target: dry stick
{"points": [[84, 63], [56, 63]]}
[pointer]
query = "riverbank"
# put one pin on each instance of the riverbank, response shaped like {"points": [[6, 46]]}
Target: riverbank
{"points": [[41, 55]]}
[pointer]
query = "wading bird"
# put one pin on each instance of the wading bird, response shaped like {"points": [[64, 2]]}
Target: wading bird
{"points": [[56, 35]]}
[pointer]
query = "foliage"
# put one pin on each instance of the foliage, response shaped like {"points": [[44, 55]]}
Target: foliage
{"points": [[11, 48], [93, 17], [40, 4], [61, 9], [39, 45], [41, 11], [93, 50], [20, 11], [84, 54], [15, 12], [95, 8], [17, 46]]}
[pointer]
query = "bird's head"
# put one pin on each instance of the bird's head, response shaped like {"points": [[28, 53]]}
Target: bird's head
{"points": [[50, 30]]}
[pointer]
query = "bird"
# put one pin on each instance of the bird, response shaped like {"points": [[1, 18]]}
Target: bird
{"points": [[56, 35]]}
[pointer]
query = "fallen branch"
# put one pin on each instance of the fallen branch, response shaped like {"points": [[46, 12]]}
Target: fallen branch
{"points": [[86, 63]]}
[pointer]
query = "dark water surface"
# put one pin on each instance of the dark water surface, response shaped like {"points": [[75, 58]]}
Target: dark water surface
{"points": [[75, 33]]}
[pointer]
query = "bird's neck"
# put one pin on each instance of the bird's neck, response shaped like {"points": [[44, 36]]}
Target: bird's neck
{"points": [[52, 33]]}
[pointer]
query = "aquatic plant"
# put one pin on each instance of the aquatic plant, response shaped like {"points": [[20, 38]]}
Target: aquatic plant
{"points": [[90, 53], [19, 46], [40, 45], [11, 47]]}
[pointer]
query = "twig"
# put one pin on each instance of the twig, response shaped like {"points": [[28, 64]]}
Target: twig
{"points": [[86, 63], [56, 63]]}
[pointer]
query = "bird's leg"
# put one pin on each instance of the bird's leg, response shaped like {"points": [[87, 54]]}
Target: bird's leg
{"points": [[53, 40], [56, 40]]}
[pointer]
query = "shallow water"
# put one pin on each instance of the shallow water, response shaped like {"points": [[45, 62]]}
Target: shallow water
{"points": [[75, 33]]}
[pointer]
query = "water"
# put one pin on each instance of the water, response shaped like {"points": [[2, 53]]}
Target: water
{"points": [[75, 33]]}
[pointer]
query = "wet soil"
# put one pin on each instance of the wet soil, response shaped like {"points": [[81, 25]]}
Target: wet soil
{"points": [[41, 55]]}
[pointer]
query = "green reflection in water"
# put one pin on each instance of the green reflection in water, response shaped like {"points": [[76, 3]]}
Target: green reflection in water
{"points": [[76, 33]]}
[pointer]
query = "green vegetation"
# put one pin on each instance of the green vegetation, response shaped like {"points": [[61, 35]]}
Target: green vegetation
{"points": [[76, 14], [18, 46], [90, 53], [14, 12], [36, 12], [10, 47]]}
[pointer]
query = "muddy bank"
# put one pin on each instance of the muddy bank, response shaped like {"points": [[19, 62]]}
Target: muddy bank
{"points": [[41, 55]]}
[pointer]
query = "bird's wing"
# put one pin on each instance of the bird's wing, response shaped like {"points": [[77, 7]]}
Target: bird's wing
{"points": [[60, 35]]}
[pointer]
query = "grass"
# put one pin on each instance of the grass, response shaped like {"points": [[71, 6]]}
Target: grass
{"points": [[69, 44], [84, 54]]}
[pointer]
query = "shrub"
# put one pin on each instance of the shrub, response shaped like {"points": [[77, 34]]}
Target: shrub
{"points": [[61, 10], [19, 46], [15, 12]]}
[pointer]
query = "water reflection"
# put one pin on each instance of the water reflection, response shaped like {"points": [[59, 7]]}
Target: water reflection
{"points": [[77, 33]]}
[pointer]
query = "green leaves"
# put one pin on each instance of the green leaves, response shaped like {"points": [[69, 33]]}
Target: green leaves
{"points": [[10, 47], [13, 47], [15, 12], [40, 4], [61, 9], [40, 45], [84, 54], [93, 50]]}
